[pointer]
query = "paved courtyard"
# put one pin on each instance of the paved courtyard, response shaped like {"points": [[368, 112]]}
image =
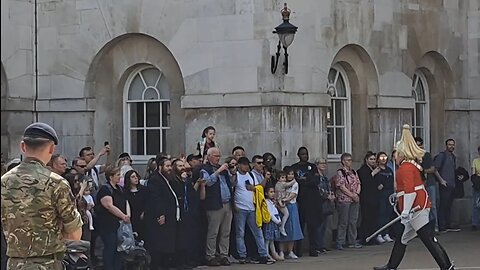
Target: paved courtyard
{"points": [[462, 247]]}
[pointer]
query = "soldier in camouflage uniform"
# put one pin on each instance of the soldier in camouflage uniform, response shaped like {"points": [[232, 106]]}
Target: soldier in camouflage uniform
{"points": [[38, 208]]}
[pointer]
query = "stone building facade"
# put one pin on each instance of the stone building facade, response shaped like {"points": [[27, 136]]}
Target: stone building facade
{"points": [[150, 75]]}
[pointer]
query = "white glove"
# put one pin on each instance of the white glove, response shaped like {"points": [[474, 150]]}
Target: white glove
{"points": [[393, 199], [406, 216]]}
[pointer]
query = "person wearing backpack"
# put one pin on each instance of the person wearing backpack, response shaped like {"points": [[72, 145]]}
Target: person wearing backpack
{"points": [[445, 164], [245, 212], [476, 192]]}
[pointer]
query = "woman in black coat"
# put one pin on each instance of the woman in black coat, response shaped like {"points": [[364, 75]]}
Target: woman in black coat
{"points": [[136, 195], [162, 214], [368, 197]]}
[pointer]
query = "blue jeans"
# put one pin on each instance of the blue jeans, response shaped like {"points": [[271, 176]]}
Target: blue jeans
{"points": [[476, 209], [432, 194], [243, 217], [112, 260]]}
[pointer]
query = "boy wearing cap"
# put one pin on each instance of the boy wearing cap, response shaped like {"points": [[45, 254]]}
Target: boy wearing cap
{"points": [[36, 228]]}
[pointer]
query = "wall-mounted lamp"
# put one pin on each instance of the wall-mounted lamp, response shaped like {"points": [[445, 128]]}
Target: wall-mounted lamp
{"points": [[286, 33]]}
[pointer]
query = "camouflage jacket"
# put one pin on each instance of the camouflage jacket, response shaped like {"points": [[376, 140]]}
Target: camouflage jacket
{"points": [[37, 208]]}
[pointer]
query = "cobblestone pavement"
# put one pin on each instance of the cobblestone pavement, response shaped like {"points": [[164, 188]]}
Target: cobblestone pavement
{"points": [[462, 247]]}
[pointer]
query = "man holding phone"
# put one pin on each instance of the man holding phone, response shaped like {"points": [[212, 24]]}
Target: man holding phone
{"points": [[93, 170]]}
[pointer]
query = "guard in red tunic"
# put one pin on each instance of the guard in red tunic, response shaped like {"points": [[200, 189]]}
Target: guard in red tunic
{"points": [[414, 205]]}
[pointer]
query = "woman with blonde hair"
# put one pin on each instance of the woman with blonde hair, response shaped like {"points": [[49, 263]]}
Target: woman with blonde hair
{"points": [[414, 204]]}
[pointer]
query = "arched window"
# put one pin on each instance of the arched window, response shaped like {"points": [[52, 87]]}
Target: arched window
{"points": [[420, 116], [147, 114], [338, 115]]}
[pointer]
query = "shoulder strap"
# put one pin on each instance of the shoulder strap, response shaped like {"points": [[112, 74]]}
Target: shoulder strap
{"points": [[252, 176]]}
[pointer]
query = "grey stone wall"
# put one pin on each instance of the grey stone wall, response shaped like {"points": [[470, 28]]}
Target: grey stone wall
{"points": [[217, 57], [279, 130]]}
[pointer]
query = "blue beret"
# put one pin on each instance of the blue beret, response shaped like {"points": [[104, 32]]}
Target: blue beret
{"points": [[41, 130]]}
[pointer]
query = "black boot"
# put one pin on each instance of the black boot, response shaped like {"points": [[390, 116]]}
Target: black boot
{"points": [[437, 251]]}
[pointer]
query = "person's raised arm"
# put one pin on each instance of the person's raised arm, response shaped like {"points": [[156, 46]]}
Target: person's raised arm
{"points": [[94, 161], [212, 178]]}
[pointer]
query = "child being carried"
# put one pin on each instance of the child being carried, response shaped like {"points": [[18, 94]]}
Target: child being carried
{"points": [[90, 204], [281, 192]]}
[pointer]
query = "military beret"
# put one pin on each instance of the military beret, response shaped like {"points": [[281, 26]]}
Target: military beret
{"points": [[41, 130]]}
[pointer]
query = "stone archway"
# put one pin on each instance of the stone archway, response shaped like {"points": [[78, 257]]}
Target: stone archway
{"points": [[106, 79], [363, 80], [440, 81]]}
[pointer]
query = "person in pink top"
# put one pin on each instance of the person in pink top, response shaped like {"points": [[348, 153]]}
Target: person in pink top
{"points": [[347, 186]]}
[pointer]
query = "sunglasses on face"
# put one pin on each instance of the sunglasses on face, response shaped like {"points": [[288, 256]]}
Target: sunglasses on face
{"points": [[259, 163]]}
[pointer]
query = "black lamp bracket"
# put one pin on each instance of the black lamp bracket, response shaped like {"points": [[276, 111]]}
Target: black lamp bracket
{"points": [[276, 57]]}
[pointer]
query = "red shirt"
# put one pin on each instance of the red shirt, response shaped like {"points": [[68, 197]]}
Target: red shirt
{"points": [[408, 176]]}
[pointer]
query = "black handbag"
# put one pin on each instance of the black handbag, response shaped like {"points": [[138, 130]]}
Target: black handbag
{"points": [[328, 207]]}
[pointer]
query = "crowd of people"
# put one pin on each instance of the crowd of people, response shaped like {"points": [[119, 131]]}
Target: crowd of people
{"points": [[215, 208]]}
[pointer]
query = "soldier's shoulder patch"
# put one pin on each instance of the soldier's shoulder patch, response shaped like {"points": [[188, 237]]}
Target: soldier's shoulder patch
{"points": [[55, 176]]}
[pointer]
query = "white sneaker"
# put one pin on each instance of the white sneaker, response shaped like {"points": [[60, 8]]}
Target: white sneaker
{"points": [[291, 256], [380, 239], [387, 238]]}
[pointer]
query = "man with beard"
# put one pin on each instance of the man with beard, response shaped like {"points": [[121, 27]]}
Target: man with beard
{"points": [[161, 215], [303, 171], [189, 194]]}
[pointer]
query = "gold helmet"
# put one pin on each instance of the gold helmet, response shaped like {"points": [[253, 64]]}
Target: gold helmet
{"points": [[407, 147]]}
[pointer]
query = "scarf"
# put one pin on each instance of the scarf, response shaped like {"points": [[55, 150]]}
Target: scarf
{"points": [[174, 195]]}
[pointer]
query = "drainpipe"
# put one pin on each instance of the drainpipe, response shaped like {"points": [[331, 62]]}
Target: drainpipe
{"points": [[35, 112]]}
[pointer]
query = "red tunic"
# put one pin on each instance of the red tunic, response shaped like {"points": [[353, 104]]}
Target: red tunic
{"points": [[408, 180]]}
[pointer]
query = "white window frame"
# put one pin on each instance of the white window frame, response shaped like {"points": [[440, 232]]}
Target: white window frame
{"points": [[347, 112], [419, 76], [140, 159]]}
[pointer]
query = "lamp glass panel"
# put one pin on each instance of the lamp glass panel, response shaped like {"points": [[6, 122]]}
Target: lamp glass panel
{"points": [[286, 39]]}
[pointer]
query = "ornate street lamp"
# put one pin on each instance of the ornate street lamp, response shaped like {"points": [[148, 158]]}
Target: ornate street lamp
{"points": [[286, 33]]}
